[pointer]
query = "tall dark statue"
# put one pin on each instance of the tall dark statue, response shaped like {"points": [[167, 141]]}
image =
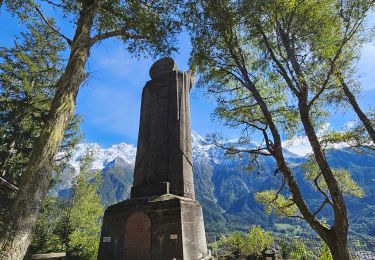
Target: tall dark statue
{"points": [[164, 156], [161, 220]]}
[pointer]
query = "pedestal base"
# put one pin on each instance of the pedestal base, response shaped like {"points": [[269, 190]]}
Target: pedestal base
{"points": [[162, 228]]}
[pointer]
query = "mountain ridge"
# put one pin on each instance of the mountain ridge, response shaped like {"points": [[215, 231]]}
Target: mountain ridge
{"points": [[225, 187]]}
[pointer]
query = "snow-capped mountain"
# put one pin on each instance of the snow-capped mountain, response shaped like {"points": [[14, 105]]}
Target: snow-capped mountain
{"points": [[224, 186], [203, 152], [102, 156]]}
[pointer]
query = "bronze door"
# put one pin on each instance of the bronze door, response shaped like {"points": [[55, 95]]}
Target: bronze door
{"points": [[138, 237]]}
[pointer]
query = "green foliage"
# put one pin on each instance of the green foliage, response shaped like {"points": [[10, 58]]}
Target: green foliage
{"points": [[295, 249], [233, 244], [28, 73], [145, 27], [51, 230], [355, 135], [72, 224], [240, 245], [86, 212], [343, 176], [280, 46], [257, 240], [325, 253], [301, 251], [277, 203]]}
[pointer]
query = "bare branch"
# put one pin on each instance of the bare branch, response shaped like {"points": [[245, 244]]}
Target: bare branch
{"points": [[294, 216], [288, 205], [55, 4], [321, 207], [233, 75], [69, 41], [327, 200], [278, 192]]}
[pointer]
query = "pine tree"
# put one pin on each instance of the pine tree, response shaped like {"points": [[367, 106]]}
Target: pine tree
{"points": [[72, 224], [145, 27], [28, 73], [86, 211]]}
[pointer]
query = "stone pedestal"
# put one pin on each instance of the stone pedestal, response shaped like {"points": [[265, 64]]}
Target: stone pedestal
{"points": [[162, 228]]}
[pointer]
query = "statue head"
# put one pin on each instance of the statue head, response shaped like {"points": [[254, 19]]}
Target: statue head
{"points": [[162, 66]]}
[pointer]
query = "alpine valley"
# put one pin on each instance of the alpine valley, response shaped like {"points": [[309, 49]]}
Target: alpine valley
{"points": [[226, 187]]}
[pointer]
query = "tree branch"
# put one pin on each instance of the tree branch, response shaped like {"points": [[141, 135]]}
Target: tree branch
{"points": [[55, 4], [320, 190], [69, 41], [347, 37], [280, 67], [258, 151], [278, 192], [121, 32], [321, 207]]}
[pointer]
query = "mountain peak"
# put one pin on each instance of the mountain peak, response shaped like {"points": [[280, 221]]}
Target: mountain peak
{"points": [[102, 156]]}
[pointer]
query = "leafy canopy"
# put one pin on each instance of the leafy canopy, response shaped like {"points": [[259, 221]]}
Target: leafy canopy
{"points": [[146, 27]]}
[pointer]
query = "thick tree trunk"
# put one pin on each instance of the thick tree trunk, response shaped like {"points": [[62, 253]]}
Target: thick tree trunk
{"points": [[338, 234], [361, 115], [36, 179], [338, 246]]}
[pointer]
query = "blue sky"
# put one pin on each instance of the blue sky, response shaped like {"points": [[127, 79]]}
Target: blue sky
{"points": [[110, 101]]}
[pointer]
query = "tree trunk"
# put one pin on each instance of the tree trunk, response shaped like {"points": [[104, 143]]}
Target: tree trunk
{"points": [[338, 235], [338, 247], [361, 115], [314, 223], [341, 225], [36, 179]]}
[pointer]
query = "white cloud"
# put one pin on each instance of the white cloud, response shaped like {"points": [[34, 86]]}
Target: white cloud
{"points": [[300, 145], [350, 124], [111, 100], [366, 65]]}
